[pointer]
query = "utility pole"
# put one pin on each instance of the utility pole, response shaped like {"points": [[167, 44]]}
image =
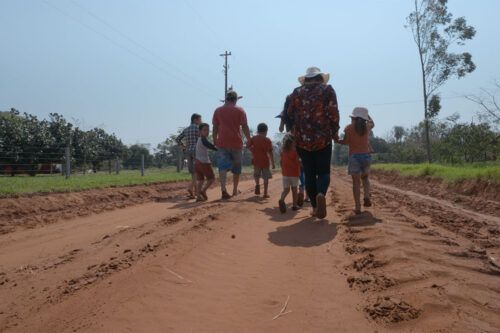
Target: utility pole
{"points": [[226, 67]]}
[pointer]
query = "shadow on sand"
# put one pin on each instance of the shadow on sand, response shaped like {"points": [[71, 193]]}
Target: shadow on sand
{"points": [[275, 215], [362, 220], [308, 232]]}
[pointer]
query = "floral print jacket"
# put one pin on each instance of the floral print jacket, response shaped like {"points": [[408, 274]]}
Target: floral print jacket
{"points": [[313, 111]]}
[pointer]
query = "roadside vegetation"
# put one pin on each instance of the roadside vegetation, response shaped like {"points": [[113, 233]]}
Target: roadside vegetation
{"points": [[451, 173], [54, 183]]}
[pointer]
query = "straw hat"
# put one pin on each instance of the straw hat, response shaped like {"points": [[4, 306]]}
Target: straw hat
{"points": [[312, 72]]}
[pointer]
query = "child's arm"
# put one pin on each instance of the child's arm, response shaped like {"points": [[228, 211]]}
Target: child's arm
{"points": [[207, 143], [370, 123], [344, 141], [271, 158]]}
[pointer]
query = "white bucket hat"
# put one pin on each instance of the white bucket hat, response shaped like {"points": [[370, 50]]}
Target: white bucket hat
{"points": [[312, 72], [360, 112]]}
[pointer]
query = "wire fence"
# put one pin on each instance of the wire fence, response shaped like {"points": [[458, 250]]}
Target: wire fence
{"points": [[29, 160]]}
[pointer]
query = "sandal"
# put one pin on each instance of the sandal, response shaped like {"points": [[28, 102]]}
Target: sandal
{"points": [[300, 199], [282, 206], [257, 189], [204, 195]]}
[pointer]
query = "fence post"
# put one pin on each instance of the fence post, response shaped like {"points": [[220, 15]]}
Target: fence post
{"points": [[142, 165], [68, 163], [117, 166]]}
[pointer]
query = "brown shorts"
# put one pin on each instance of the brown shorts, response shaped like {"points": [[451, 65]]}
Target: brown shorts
{"points": [[203, 170]]}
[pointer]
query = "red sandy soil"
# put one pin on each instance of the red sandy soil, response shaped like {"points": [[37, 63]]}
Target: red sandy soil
{"points": [[480, 195], [411, 263], [29, 211]]}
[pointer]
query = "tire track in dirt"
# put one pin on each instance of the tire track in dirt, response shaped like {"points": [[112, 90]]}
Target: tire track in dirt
{"points": [[35, 210], [183, 266], [421, 264], [48, 278], [235, 277], [481, 196]]}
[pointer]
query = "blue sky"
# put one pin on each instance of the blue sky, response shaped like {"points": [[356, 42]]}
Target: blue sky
{"points": [[141, 68]]}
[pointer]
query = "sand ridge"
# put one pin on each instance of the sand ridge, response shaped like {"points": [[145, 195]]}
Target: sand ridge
{"points": [[408, 264]]}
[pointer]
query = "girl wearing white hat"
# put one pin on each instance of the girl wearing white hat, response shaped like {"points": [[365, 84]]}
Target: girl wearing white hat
{"points": [[356, 136]]}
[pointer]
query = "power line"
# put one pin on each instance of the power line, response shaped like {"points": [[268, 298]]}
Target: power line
{"points": [[204, 22], [136, 43], [127, 49]]}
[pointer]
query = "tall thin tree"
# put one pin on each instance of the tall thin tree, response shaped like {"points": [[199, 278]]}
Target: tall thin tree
{"points": [[434, 32]]}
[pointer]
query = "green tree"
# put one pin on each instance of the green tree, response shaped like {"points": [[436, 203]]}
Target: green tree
{"points": [[398, 132], [133, 157], [167, 152], [434, 31]]}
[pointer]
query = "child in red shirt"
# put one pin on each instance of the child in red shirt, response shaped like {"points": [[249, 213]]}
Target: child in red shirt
{"points": [[290, 168], [262, 151]]}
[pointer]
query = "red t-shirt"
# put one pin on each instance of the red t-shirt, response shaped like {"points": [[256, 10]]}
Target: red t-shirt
{"points": [[290, 164], [261, 146], [228, 119]]}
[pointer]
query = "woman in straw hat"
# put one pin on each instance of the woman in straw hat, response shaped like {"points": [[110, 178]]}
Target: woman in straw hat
{"points": [[313, 113]]}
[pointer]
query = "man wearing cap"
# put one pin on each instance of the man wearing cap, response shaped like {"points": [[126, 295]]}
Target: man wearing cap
{"points": [[313, 112], [228, 122]]}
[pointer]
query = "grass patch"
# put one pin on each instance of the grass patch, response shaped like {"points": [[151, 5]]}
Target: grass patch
{"points": [[451, 173], [56, 183]]}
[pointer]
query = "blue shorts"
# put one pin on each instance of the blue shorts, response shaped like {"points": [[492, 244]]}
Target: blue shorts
{"points": [[359, 163], [229, 159]]}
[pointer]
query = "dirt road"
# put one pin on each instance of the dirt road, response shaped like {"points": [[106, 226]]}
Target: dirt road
{"points": [[411, 263]]}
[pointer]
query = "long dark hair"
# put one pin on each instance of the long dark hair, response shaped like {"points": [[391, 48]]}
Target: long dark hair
{"points": [[360, 126]]}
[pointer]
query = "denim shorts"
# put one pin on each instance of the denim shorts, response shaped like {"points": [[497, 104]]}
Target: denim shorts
{"points": [[229, 159], [359, 163]]}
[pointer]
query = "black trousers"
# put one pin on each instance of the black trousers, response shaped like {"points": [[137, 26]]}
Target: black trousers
{"points": [[317, 171]]}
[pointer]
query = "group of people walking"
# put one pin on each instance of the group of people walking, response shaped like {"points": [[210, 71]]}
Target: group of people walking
{"points": [[310, 119]]}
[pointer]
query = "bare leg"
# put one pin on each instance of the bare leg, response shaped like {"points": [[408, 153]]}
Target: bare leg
{"points": [[257, 184], [207, 185], [236, 180], [366, 185], [257, 180], [266, 186], [223, 179], [192, 185], [199, 190], [356, 184], [285, 193], [281, 202], [294, 195], [193, 181]]}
